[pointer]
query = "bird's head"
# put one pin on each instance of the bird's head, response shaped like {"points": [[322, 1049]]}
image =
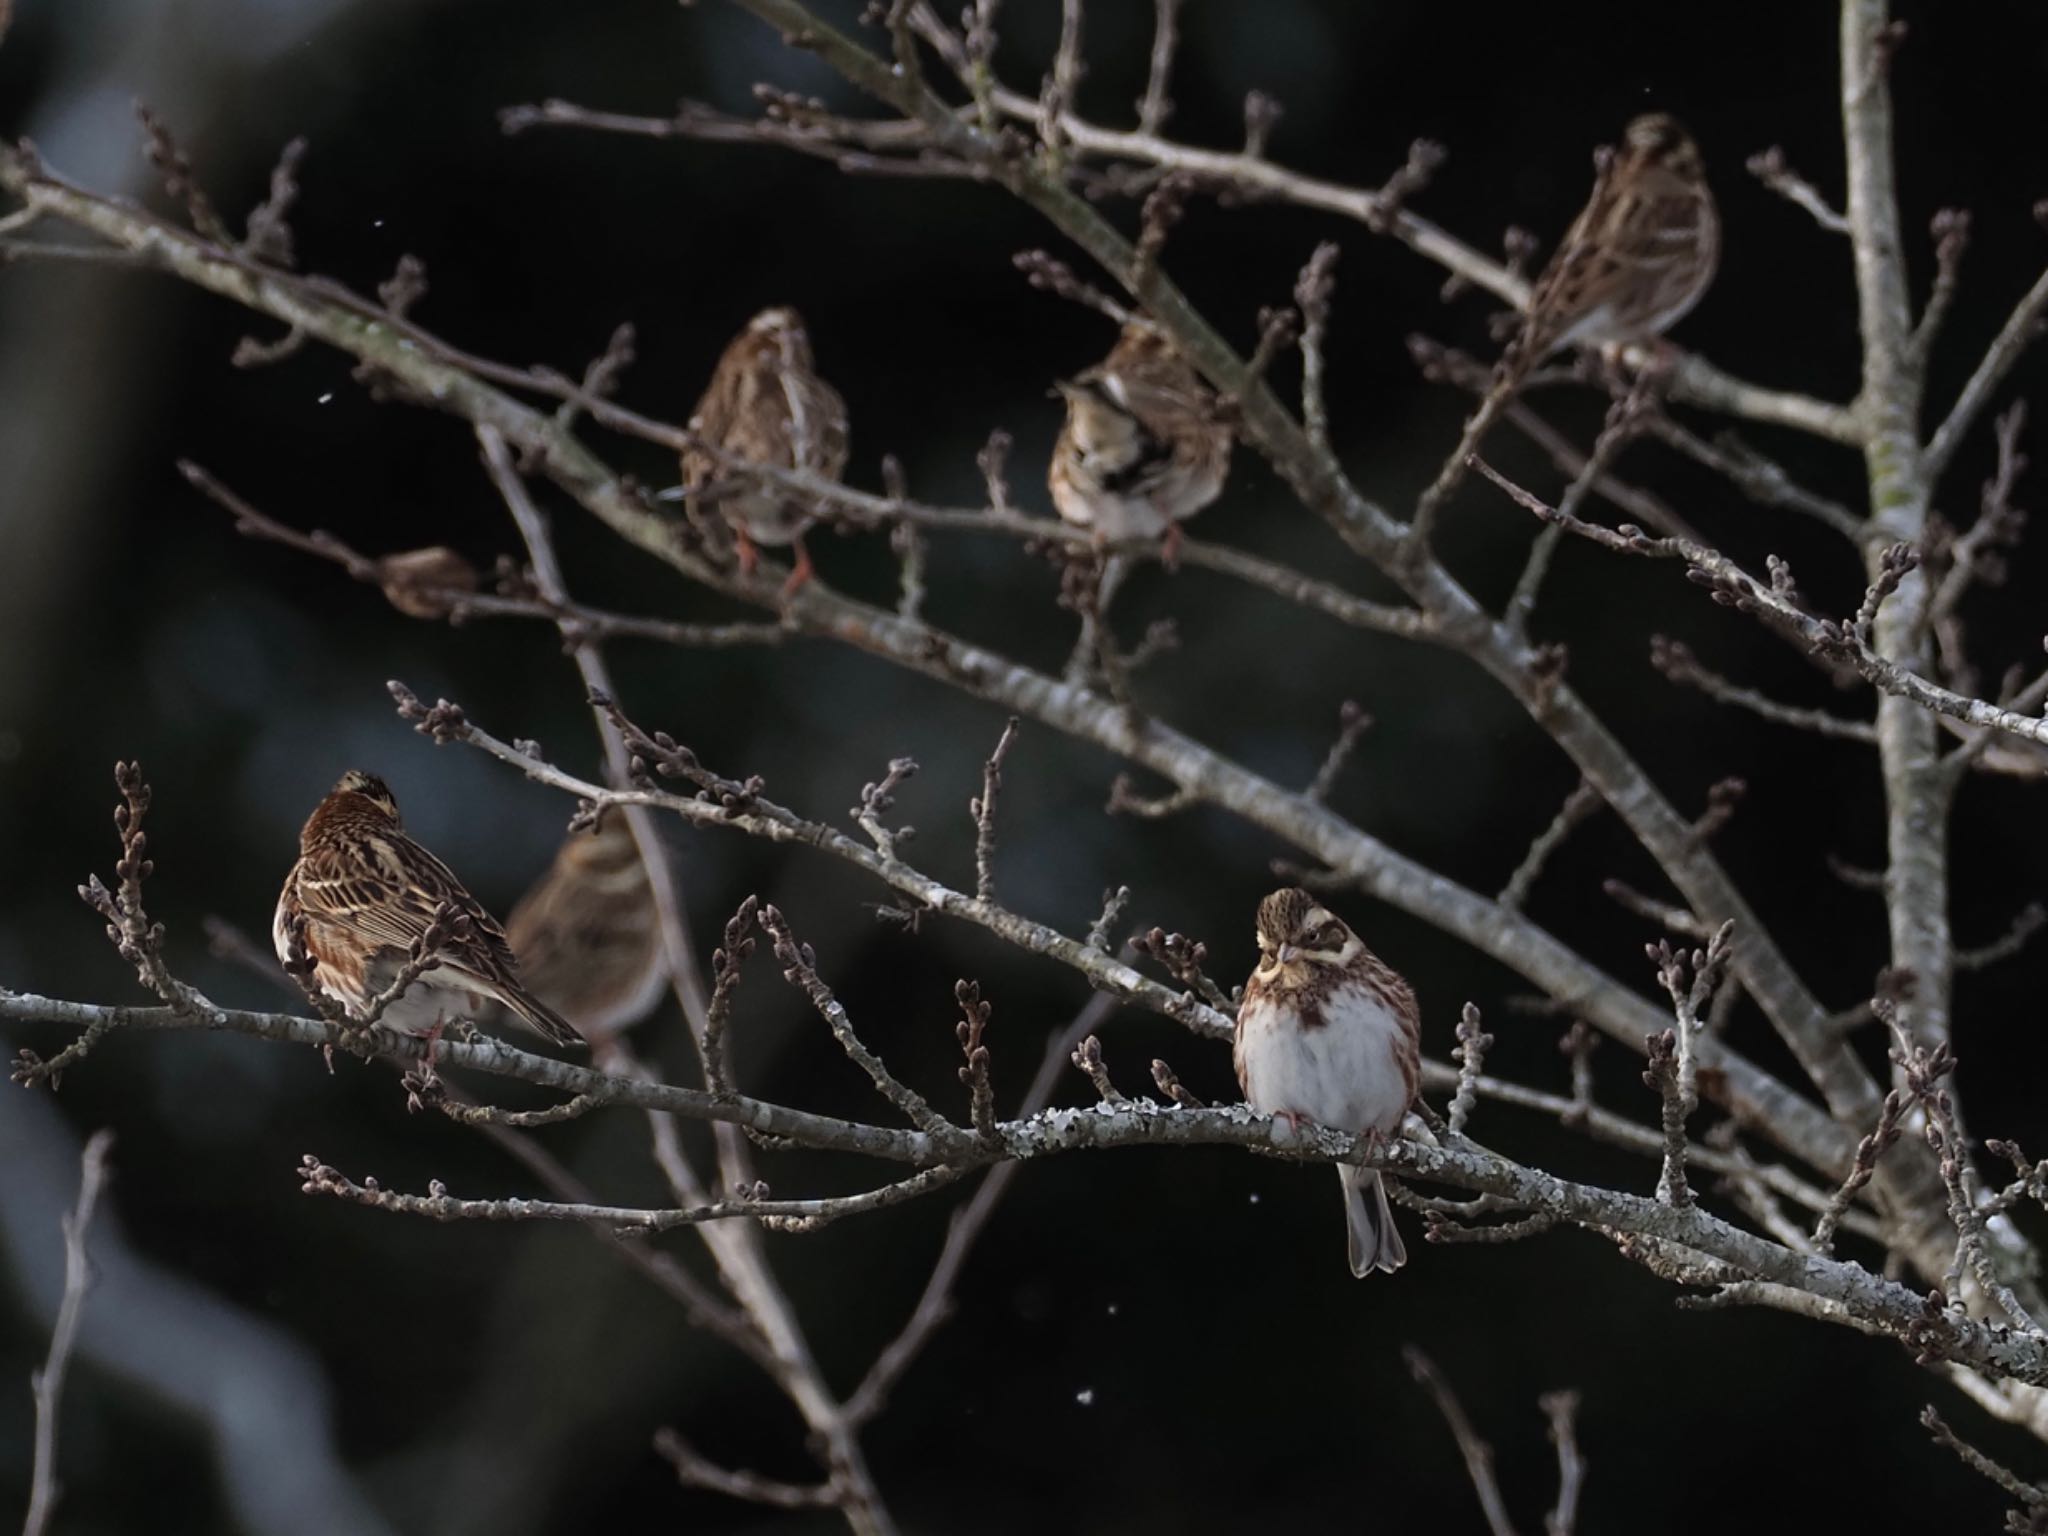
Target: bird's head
{"points": [[368, 787], [780, 333], [1296, 932], [1657, 138]]}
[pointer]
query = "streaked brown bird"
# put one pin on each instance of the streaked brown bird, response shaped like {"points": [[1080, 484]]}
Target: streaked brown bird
{"points": [[363, 893], [765, 405], [1143, 448], [426, 583], [1636, 260], [586, 933], [1328, 1032]]}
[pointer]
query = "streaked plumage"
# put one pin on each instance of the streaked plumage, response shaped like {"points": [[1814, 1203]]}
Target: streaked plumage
{"points": [[1143, 448], [586, 934], [367, 892], [1637, 259], [765, 404], [425, 583], [1327, 1032]]}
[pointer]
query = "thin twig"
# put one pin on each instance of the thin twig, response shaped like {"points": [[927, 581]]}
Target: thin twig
{"points": [[2013, 338], [457, 602], [880, 796], [1477, 1453], [1156, 106], [317, 1178], [1676, 661], [800, 970], [693, 1470], [1774, 171], [2031, 1495], [983, 809], [1088, 1057], [1562, 1409], [935, 1305], [1582, 802], [1846, 640], [1312, 294], [47, 1384], [1352, 722], [1470, 1054], [975, 1070]]}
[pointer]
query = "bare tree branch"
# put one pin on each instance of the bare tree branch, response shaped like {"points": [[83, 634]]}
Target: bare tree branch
{"points": [[48, 1383], [1477, 1453]]}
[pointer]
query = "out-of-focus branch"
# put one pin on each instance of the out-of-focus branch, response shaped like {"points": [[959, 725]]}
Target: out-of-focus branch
{"points": [[2032, 1517], [2013, 338], [784, 1353], [1477, 1453], [694, 1470], [1772, 169], [935, 1305], [457, 601], [1562, 1409], [48, 1383]]}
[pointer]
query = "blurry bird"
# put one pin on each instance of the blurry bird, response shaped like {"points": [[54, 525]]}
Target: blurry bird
{"points": [[586, 933], [1142, 448], [1636, 260], [425, 583], [361, 895], [765, 405], [1328, 1032]]}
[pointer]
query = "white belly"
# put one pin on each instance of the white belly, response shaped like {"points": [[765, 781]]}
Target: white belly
{"points": [[767, 519], [1113, 516], [1345, 1074]]}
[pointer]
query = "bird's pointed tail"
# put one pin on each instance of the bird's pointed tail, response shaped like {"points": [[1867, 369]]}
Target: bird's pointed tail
{"points": [[1375, 1243], [540, 1018]]}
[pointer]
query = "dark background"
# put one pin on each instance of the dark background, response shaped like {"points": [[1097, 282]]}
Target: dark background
{"points": [[1145, 1342]]}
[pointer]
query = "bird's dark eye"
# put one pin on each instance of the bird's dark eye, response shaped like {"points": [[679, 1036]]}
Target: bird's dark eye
{"points": [[1330, 937]]}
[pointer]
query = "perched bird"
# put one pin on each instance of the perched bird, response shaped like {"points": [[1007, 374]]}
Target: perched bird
{"points": [[1636, 260], [1143, 448], [426, 583], [586, 933], [1327, 1032], [766, 405], [361, 895]]}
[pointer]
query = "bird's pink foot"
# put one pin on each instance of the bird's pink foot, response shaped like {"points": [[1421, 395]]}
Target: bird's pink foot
{"points": [[800, 573], [1169, 547], [423, 1084]]}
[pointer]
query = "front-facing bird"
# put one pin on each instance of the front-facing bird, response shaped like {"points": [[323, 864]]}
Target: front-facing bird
{"points": [[1327, 1032], [361, 895], [765, 405], [1143, 448]]}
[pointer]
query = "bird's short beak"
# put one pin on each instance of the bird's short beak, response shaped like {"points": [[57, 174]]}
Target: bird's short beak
{"points": [[1287, 953]]}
